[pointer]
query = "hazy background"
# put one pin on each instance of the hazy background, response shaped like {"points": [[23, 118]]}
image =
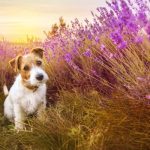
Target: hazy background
{"points": [[31, 17]]}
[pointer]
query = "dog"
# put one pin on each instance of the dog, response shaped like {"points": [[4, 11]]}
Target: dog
{"points": [[28, 93]]}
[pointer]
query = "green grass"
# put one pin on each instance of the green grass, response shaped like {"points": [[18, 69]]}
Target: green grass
{"points": [[85, 122]]}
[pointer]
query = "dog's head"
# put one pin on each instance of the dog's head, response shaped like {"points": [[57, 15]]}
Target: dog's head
{"points": [[31, 68]]}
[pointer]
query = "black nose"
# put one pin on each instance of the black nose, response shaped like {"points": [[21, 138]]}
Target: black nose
{"points": [[39, 77]]}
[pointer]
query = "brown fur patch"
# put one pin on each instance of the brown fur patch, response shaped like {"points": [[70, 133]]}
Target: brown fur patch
{"points": [[38, 52], [15, 63], [28, 61]]}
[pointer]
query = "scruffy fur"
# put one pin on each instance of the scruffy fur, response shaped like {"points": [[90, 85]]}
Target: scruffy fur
{"points": [[28, 93]]}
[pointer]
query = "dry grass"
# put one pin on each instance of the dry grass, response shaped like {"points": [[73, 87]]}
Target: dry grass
{"points": [[85, 122]]}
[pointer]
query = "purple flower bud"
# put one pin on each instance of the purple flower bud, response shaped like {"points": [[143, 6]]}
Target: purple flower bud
{"points": [[142, 18], [89, 36], [74, 50], [87, 53], [116, 37], [68, 57], [138, 40], [97, 39], [122, 45], [148, 28]]}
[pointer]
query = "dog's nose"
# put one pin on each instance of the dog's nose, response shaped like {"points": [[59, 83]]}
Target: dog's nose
{"points": [[39, 77]]}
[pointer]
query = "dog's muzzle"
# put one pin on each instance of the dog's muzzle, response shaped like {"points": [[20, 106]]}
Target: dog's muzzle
{"points": [[40, 77]]}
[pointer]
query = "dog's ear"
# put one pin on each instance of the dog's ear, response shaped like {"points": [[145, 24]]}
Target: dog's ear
{"points": [[15, 63], [38, 52]]}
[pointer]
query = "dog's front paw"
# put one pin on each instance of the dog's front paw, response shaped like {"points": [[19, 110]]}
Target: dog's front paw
{"points": [[20, 127]]}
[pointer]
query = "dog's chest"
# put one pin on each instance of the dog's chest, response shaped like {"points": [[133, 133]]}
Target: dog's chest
{"points": [[31, 101]]}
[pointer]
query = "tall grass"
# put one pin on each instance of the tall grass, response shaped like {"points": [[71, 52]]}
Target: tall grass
{"points": [[86, 122]]}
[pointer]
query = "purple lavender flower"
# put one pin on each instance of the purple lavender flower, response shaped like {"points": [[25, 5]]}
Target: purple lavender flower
{"points": [[74, 50], [148, 28], [87, 53], [142, 17], [116, 37], [132, 27], [115, 5], [97, 39], [68, 57], [138, 40], [89, 36], [122, 45]]}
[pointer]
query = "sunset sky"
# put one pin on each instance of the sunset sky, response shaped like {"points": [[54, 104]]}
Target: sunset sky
{"points": [[19, 18]]}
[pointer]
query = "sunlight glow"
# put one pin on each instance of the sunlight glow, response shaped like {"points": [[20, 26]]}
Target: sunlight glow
{"points": [[21, 18]]}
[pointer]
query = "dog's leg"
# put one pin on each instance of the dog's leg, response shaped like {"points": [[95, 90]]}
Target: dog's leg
{"points": [[19, 117], [8, 109]]}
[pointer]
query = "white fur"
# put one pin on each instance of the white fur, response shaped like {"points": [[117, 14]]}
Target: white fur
{"points": [[34, 71], [22, 101]]}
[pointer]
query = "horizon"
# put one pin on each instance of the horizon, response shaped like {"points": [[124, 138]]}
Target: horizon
{"points": [[21, 18]]}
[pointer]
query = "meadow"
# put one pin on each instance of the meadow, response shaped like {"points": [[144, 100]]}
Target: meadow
{"points": [[99, 89]]}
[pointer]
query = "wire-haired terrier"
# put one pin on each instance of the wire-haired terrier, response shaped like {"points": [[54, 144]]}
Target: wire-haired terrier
{"points": [[28, 93]]}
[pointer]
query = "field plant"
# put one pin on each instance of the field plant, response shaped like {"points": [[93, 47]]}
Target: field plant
{"points": [[99, 88]]}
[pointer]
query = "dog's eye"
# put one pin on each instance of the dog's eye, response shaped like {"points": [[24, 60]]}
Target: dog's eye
{"points": [[26, 68], [38, 62]]}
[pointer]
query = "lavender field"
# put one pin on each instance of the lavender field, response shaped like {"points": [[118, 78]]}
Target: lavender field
{"points": [[99, 89]]}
